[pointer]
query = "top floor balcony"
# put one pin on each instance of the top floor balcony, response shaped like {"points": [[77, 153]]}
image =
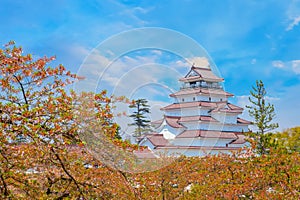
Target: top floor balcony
{"points": [[201, 85]]}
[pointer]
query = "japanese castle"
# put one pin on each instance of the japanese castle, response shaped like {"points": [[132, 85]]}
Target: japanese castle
{"points": [[201, 121]]}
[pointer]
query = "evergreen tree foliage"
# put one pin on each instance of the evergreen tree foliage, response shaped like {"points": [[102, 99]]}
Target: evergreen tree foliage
{"points": [[263, 114], [140, 120]]}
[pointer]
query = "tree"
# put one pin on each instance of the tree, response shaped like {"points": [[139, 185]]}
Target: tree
{"points": [[140, 120], [263, 114], [289, 139], [41, 130]]}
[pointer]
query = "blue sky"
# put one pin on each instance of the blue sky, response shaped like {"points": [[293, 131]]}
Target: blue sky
{"points": [[248, 40]]}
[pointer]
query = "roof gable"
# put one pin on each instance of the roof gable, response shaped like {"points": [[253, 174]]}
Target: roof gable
{"points": [[199, 73]]}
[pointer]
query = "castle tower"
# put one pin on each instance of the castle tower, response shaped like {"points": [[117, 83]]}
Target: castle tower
{"points": [[201, 121]]}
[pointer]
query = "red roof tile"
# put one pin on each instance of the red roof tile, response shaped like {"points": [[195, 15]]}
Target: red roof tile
{"points": [[189, 105], [208, 104], [186, 92], [240, 140], [207, 134], [181, 105], [234, 107], [205, 73], [243, 121], [189, 118], [170, 120], [189, 134], [218, 134], [207, 118], [173, 121], [228, 108], [157, 139], [215, 91]]}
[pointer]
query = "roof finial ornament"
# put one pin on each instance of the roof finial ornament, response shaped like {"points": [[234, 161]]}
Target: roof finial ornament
{"points": [[193, 66]]}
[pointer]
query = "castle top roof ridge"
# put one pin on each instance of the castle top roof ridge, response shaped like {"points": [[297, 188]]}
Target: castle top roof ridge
{"points": [[201, 73]]}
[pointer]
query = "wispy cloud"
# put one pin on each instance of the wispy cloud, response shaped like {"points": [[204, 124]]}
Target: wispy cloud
{"points": [[278, 64], [295, 22], [296, 66], [292, 13], [293, 65], [198, 61]]}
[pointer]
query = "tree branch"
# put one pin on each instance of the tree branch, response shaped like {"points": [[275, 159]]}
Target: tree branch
{"points": [[67, 172], [6, 193], [22, 88]]}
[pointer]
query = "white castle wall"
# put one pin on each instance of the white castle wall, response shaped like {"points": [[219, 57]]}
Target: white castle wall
{"points": [[175, 131], [194, 97], [187, 112], [215, 126]]}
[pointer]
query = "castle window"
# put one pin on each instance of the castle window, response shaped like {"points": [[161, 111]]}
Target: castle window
{"points": [[193, 84]]}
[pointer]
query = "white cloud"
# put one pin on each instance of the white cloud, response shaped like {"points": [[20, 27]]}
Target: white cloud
{"points": [[296, 66], [180, 63], [198, 61], [278, 64], [292, 14], [295, 22], [272, 99], [293, 65], [78, 50], [243, 100], [146, 80], [141, 10], [157, 52], [132, 13]]}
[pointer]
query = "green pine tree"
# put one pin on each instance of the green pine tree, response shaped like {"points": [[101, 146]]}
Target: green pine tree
{"points": [[140, 120], [263, 114]]}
